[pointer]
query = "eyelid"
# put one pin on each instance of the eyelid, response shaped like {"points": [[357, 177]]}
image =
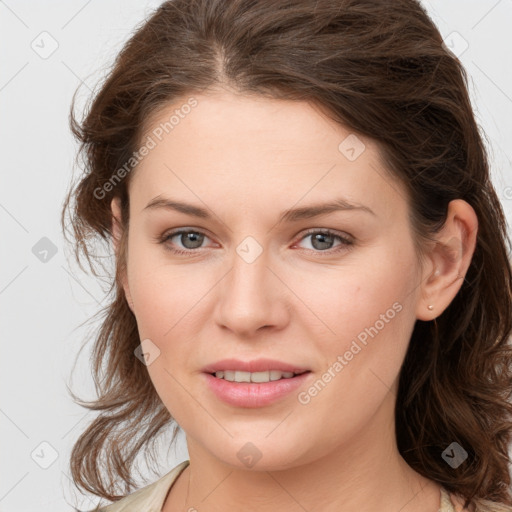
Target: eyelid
{"points": [[347, 240], [178, 231], [334, 232]]}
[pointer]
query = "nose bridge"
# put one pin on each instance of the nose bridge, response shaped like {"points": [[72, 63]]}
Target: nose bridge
{"points": [[248, 298]]}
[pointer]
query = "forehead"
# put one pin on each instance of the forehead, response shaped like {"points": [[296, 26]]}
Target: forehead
{"points": [[248, 124], [243, 150]]}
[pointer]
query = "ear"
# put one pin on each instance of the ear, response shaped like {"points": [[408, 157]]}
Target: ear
{"points": [[117, 229], [448, 260], [115, 206]]}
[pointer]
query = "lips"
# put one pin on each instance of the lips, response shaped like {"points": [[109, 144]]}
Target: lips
{"points": [[256, 365], [253, 395]]}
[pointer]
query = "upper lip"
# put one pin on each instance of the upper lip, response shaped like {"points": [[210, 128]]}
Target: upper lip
{"points": [[256, 365]]}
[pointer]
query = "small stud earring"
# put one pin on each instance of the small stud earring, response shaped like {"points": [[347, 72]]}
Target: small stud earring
{"points": [[430, 307]]}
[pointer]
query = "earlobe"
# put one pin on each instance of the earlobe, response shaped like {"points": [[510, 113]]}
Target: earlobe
{"points": [[450, 259]]}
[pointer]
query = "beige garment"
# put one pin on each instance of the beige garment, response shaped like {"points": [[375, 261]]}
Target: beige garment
{"points": [[152, 497]]}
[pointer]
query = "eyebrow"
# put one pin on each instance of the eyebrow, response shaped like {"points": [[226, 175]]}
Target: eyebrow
{"points": [[290, 215]]}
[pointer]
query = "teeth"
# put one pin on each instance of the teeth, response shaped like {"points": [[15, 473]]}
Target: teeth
{"points": [[237, 376]]}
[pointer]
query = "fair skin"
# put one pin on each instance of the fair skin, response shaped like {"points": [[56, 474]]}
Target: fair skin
{"points": [[246, 160]]}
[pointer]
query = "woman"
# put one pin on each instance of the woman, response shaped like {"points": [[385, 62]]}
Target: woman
{"points": [[312, 278]]}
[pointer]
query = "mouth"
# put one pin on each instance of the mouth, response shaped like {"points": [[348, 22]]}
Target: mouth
{"points": [[237, 376], [255, 389]]}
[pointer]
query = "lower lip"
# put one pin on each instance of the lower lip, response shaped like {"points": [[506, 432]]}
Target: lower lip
{"points": [[252, 394]]}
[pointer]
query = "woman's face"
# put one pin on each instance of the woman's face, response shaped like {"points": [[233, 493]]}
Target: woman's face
{"points": [[261, 278]]}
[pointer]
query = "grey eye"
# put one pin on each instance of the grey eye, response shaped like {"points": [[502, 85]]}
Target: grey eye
{"points": [[190, 239]]}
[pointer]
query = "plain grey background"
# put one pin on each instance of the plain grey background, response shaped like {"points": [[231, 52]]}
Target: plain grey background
{"points": [[48, 49]]}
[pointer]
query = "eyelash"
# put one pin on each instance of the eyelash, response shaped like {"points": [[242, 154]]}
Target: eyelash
{"points": [[346, 243]]}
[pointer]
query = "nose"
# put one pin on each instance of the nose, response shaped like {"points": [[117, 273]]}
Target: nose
{"points": [[252, 296]]}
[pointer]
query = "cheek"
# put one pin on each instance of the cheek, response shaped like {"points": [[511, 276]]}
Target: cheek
{"points": [[163, 293], [342, 302], [358, 375], [166, 304], [365, 320]]}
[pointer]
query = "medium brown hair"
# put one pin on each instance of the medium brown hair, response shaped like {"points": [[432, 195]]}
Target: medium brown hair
{"points": [[380, 68]]}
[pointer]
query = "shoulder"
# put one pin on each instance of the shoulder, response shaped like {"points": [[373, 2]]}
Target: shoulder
{"points": [[479, 505], [491, 506], [149, 498]]}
